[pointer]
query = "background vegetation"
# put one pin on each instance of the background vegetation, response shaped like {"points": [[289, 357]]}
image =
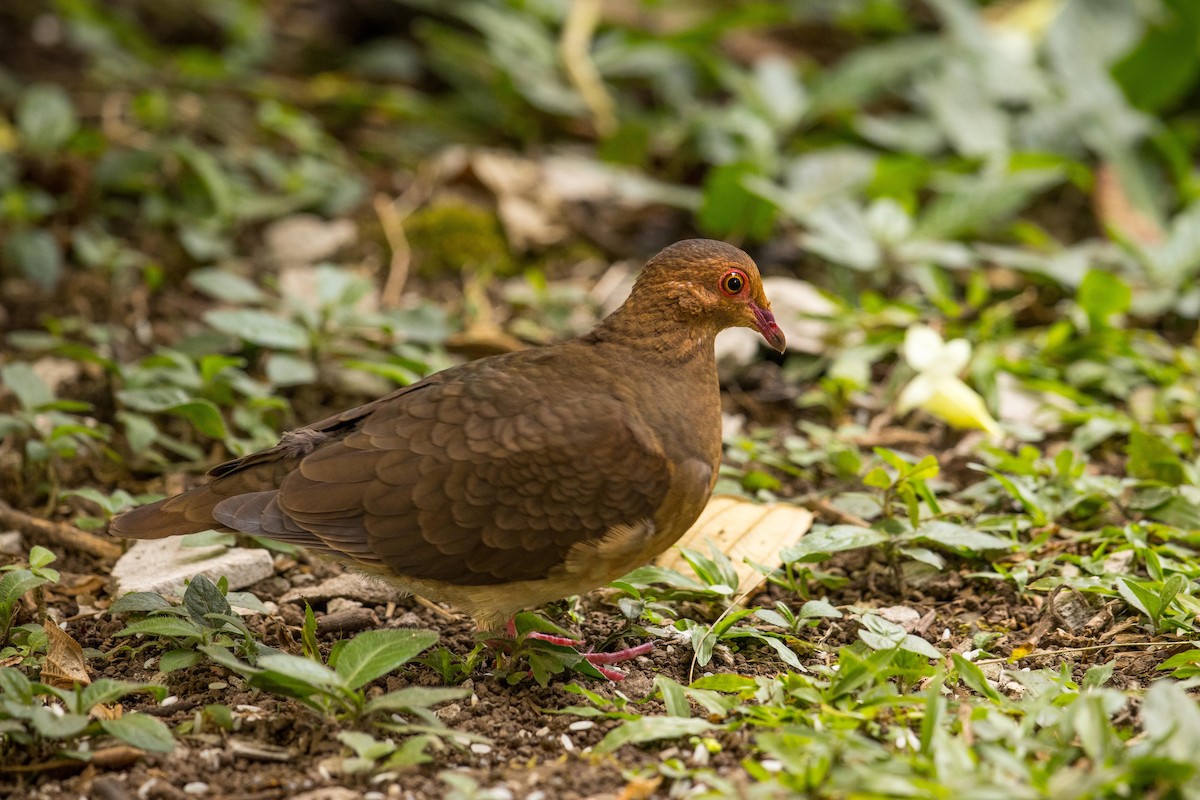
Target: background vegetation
{"points": [[220, 219]]}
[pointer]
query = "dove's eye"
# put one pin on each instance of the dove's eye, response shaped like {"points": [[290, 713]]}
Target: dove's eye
{"points": [[733, 282]]}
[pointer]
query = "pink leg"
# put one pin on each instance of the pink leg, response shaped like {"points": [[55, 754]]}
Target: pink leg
{"points": [[597, 660], [544, 637]]}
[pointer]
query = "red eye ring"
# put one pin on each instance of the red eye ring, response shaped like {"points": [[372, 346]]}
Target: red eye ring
{"points": [[733, 283]]}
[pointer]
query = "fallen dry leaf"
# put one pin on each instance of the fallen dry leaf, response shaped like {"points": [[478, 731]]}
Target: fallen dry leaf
{"points": [[64, 665], [1115, 209], [745, 531]]}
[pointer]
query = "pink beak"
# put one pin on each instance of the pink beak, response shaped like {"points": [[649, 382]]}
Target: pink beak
{"points": [[764, 321]]}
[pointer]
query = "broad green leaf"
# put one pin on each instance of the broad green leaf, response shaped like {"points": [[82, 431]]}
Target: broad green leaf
{"points": [[142, 731], [415, 697], [221, 284], [202, 598], [37, 254], [105, 690], [172, 627], [298, 668], [285, 369], [834, 539], [259, 327], [56, 726], [725, 683], [1101, 295], [673, 696], [730, 209], [139, 602], [372, 654], [31, 391], [651, 729], [16, 583], [973, 677], [1141, 596], [819, 608], [15, 685], [949, 534], [178, 659], [46, 118], [1152, 458]]}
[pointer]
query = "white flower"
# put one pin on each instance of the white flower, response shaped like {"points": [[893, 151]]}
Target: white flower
{"points": [[937, 387]]}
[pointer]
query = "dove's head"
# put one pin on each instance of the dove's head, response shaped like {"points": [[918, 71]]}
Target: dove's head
{"points": [[708, 285]]}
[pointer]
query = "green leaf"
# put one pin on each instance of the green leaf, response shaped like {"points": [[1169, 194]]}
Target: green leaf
{"points": [[651, 729], [46, 118], [106, 690], [1101, 295], [372, 654], [204, 416], [1166, 62], [297, 668], [729, 209], [31, 391], [37, 254], [178, 659], [209, 538], [15, 685], [14, 584], [673, 696], [973, 677], [1141, 596], [221, 284], [56, 726], [412, 697], [201, 598], [1152, 458], [949, 534], [819, 608], [285, 369], [171, 627], [139, 602], [40, 557], [141, 731], [725, 683], [834, 539], [259, 327]]}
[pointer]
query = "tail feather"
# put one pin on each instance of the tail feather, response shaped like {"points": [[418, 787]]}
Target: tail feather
{"points": [[190, 512]]}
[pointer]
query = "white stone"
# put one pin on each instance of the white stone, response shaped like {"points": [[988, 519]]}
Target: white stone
{"points": [[163, 565], [10, 543]]}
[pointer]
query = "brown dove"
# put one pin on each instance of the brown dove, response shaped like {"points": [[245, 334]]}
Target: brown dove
{"points": [[514, 480]]}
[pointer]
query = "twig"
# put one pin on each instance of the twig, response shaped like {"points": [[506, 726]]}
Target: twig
{"points": [[59, 533], [577, 60], [821, 505], [392, 222], [1069, 650]]}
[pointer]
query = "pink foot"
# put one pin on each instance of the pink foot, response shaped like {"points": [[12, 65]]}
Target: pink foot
{"points": [[597, 660]]}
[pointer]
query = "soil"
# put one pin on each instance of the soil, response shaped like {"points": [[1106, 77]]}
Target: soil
{"points": [[530, 749]]}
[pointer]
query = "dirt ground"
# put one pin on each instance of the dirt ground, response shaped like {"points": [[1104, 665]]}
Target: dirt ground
{"points": [[530, 749]]}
